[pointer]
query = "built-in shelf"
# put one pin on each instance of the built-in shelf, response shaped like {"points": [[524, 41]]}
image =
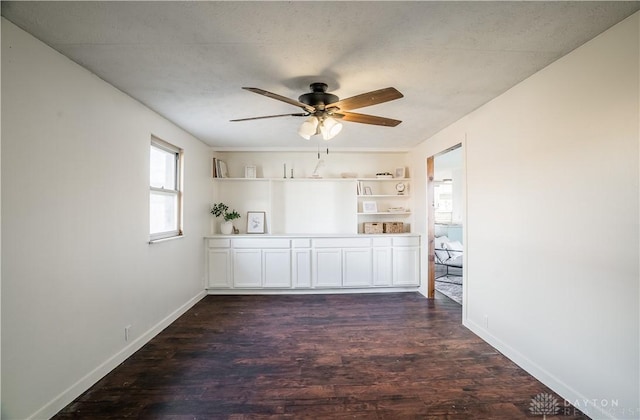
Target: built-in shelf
{"points": [[383, 179], [312, 179], [241, 179], [293, 204], [384, 196], [286, 179], [385, 213], [382, 192]]}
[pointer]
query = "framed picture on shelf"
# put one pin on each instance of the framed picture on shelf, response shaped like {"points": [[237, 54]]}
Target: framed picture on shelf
{"points": [[369, 207], [367, 191], [250, 171], [400, 173], [256, 221]]}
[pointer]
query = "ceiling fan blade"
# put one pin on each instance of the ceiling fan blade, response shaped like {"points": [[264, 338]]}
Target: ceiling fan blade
{"points": [[367, 99], [271, 116], [366, 119], [271, 95]]}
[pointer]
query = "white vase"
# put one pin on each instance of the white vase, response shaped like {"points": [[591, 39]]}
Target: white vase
{"points": [[226, 227]]}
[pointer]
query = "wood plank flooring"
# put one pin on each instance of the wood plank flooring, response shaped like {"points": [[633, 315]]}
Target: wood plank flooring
{"points": [[371, 356]]}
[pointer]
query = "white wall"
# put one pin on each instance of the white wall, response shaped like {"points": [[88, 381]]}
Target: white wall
{"points": [[76, 264], [552, 222]]}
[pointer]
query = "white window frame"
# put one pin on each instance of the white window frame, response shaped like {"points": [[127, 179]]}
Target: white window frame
{"points": [[443, 215], [176, 191]]}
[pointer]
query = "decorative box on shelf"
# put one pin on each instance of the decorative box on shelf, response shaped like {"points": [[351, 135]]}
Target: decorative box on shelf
{"points": [[373, 227], [393, 227]]}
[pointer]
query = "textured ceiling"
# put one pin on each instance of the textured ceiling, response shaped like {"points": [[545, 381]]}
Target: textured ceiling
{"points": [[189, 60]]}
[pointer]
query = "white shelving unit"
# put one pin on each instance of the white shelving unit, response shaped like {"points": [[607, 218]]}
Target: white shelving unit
{"points": [[314, 205], [384, 194]]}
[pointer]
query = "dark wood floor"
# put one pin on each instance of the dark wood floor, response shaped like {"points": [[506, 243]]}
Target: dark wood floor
{"points": [[373, 356]]}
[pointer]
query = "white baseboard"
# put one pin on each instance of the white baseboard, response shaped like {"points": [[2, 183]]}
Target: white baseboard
{"points": [[75, 390], [538, 372], [318, 291]]}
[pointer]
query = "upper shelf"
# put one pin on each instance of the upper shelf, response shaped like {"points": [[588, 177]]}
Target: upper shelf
{"points": [[383, 179], [285, 179], [312, 179], [383, 196], [384, 213]]}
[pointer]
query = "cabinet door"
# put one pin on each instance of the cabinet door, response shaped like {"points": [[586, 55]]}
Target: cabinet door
{"points": [[327, 267], [406, 266], [276, 267], [301, 267], [382, 272], [356, 267], [247, 268], [219, 265]]}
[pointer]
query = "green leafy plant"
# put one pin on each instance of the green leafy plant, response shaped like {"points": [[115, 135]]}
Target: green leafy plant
{"points": [[221, 209]]}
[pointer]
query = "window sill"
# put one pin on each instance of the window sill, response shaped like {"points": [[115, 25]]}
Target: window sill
{"points": [[156, 241]]}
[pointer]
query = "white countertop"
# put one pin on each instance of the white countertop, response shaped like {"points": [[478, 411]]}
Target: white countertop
{"points": [[309, 235]]}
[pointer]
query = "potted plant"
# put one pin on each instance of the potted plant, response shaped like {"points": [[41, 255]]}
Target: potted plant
{"points": [[221, 209]]}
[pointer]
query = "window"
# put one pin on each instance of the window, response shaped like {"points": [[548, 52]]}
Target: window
{"points": [[443, 198], [165, 197]]}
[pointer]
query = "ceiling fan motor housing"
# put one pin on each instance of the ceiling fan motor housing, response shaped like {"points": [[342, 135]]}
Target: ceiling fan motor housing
{"points": [[318, 97]]}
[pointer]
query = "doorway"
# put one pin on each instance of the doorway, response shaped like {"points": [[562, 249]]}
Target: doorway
{"points": [[445, 186]]}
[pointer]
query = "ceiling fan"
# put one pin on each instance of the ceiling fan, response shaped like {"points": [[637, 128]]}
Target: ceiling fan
{"points": [[324, 110]]}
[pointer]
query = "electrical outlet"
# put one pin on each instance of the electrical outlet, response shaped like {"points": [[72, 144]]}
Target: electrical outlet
{"points": [[127, 332]]}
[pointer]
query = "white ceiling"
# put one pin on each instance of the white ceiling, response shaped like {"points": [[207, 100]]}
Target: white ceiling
{"points": [[189, 60]]}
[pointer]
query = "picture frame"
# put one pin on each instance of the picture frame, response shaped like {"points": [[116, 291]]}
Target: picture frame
{"points": [[400, 173], [367, 191], [369, 207], [250, 171], [256, 221]]}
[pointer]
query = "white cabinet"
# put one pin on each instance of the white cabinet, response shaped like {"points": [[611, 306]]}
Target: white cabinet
{"points": [[241, 262], [357, 267], [218, 263], [382, 261], [342, 262], [247, 268], [276, 267], [301, 262], [261, 262], [327, 267], [406, 261]]}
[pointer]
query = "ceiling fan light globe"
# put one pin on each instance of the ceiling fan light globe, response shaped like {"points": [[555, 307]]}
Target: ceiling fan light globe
{"points": [[330, 128], [308, 128]]}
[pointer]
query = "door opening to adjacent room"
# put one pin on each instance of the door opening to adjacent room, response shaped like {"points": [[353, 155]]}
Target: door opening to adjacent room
{"points": [[445, 223]]}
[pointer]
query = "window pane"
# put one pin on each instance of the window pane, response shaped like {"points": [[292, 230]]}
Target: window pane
{"points": [[163, 212], [443, 197], [163, 168]]}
